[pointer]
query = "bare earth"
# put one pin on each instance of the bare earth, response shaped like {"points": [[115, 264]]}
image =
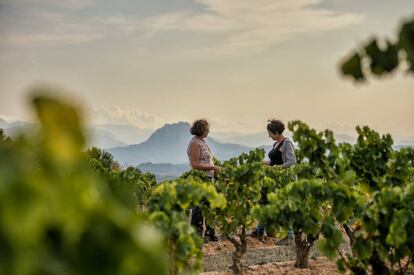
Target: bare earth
{"points": [[319, 266], [226, 246]]}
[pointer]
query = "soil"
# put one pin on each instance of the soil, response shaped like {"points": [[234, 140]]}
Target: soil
{"points": [[226, 246], [319, 266], [217, 252]]}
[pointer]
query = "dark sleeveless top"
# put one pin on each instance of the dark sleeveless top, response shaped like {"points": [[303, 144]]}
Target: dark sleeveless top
{"points": [[275, 155]]}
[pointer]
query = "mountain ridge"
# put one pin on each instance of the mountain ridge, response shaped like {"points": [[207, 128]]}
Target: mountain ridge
{"points": [[168, 144]]}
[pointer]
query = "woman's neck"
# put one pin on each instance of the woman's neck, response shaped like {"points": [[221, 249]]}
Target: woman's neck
{"points": [[280, 138]]}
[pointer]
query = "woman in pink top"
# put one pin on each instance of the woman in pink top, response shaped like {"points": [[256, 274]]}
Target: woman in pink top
{"points": [[198, 151], [201, 158]]}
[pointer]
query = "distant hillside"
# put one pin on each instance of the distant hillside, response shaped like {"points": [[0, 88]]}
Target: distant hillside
{"points": [[262, 138], [126, 134], [102, 139], [13, 129], [164, 171], [102, 136], [169, 145], [249, 140]]}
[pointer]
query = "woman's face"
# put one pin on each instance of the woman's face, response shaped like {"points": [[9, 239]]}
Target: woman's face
{"points": [[205, 134], [272, 136]]}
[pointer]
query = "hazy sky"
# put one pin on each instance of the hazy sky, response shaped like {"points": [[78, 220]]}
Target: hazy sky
{"points": [[234, 62]]}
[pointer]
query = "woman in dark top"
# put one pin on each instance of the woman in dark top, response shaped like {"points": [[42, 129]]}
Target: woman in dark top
{"points": [[283, 151], [282, 155]]}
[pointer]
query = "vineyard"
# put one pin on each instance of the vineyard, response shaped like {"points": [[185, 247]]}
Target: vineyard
{"points": [[64, 210]]}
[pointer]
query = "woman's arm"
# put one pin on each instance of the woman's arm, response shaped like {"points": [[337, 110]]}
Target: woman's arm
{"points": [[195, 159]]}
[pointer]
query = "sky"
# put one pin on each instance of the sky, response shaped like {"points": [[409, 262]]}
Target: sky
{"points": [[235, 62]]}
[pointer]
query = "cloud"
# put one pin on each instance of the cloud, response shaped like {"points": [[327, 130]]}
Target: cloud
{"points": [[50, 40], [66, 4], [233, 27], [117, 115], [247, 26], [48, 23]]}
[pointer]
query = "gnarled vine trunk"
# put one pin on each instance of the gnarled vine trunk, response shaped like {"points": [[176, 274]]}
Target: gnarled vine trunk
{"points": [[241, 247], [378, 266], [303, 247], [173, 269]]}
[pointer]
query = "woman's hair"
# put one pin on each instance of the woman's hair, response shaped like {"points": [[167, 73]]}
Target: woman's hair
{"points": [[275, 126], [199, 127]]}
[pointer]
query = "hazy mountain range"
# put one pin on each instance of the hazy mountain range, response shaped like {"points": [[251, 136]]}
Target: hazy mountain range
{"points": [[163, 151], [103, 136], [169, 145], [164, 171], [126, 134]]}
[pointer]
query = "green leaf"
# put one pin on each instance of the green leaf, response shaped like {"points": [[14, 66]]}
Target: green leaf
{"points": [[382, 61], [352, 67], [326, 248], [363, 248], [406, 42]]}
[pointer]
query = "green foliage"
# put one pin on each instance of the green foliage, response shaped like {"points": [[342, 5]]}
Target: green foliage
{"points": [[382, 60], [400, 167], [240, 181], [309, 207], [129, 185], [366, 185], [382, 234], [168, 206], [275, 177], [196, 174], [101, 160], [353, 67], [369, 157], [406, 42], [332, 238], [319, 150], [300, 205], [3, 138], [388, 223], [56, 216]]}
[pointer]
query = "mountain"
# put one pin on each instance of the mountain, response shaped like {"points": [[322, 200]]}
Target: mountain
{"points": [[13, 129], [262, 138], [102, 136], [164, 171], [250, 140], [102, 139], [169, 145], [127, 134]]}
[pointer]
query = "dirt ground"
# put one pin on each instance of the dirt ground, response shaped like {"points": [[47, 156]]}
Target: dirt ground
{"points": [[226, 246], [319, 266]]}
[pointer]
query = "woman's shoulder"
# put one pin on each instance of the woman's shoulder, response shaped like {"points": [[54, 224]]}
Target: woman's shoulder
{"points": [[195, 142], [287, 142]]}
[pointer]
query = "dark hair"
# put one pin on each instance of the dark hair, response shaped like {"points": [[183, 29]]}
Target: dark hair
{"points": [[199, 127], [275, 126]]}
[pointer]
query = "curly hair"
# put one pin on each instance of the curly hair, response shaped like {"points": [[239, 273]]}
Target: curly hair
{"points": [[275, 126], [199, 127]]}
